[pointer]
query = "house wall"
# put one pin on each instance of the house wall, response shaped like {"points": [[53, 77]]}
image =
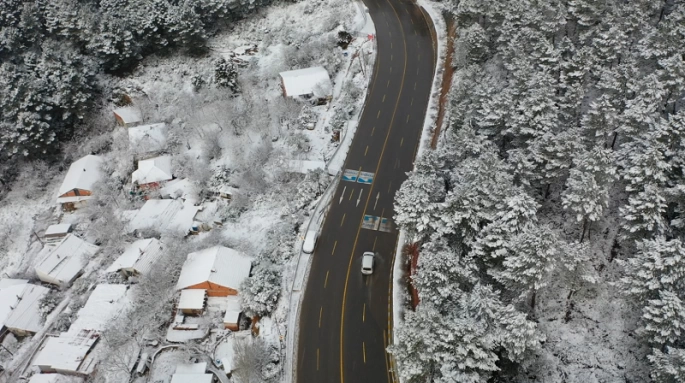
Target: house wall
{"points": [[231, 326], [214, 290], [285, 94], [76, 193], [191, 312], [120, 121], [20, 332]]}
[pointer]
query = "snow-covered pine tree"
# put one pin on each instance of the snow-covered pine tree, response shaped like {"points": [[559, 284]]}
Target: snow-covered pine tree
{"points": [[664, 318], [658, 265], [259, 293], [668, 366]]}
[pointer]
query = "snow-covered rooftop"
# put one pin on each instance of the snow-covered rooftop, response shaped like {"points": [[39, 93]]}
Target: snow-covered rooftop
{"points": [[147, 138], [180, 188], [83, 174], [219, 265], [192, 300], [192, 378], [306, 81], [166, 215], [191, 368], [25, 314], [129, 115], [8, 296], [138, 256], [232, 309], [104, 304], [59, 229], [67, 353], [156, 169], [54, 378], [61, 263]]}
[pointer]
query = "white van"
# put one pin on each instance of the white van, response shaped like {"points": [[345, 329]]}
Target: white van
{"points": [[367, 263]]}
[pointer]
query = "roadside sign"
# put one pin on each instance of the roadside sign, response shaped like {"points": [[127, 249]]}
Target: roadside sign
{"points": [[370, 222], [365, 178], [385, 225], [350, 175]]}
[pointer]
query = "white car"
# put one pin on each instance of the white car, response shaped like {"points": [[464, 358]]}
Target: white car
{"points": [[310, 241], [367, 263]]}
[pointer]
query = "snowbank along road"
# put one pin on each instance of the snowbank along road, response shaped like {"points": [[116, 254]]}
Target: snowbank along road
{"points": [[345, 327]]}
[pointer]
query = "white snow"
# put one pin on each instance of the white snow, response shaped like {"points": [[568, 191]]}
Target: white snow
{"points": [[304, 166], [180, 188], [219, 265], [54, 378], [138, 257], [157, 169], [192, 299], [147, 138], [62, 263], [83, 174], [301, 82], [129, 115]]}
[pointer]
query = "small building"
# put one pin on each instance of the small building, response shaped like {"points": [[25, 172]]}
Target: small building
{"points": [[20, 306], [128, 116], [147, 139], [307, 83], [218, 269], [137, 258], [67, 354], [227, 192], [153, 172], [191, 373], [105, 303], [62, 263], [167, 216], [24, 318], [233, 312], [192, 302], [58, 231], [180, 188], [78, 184]]}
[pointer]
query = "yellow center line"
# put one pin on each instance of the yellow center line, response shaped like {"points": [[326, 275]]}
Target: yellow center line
{"points": [[364, 351], [325, 283], [333, 252], [368, 198], [363, 314], [320, 312], [365, 151], [343, 219], [402, 141], [317, 359], [374, 244]]}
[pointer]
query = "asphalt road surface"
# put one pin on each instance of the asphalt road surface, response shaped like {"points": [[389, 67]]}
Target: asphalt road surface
{"points": [[345, 319]]}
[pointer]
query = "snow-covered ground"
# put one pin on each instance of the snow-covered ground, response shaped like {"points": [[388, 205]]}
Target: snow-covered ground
{"points": [[216, 140]]}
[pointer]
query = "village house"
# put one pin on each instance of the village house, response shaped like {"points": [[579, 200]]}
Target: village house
{"points": [[137, 258], [307, 84], [219, 270], [192, 373], [54, 378], [152, 173], [75, 352], [146, 140], [57, 232], [20, 306], [78, 184], [62, 263], [128, 116], [233, 313], [167, 216]]}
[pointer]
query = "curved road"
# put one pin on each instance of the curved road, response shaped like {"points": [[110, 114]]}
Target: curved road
{"points": [[344, 325]]}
